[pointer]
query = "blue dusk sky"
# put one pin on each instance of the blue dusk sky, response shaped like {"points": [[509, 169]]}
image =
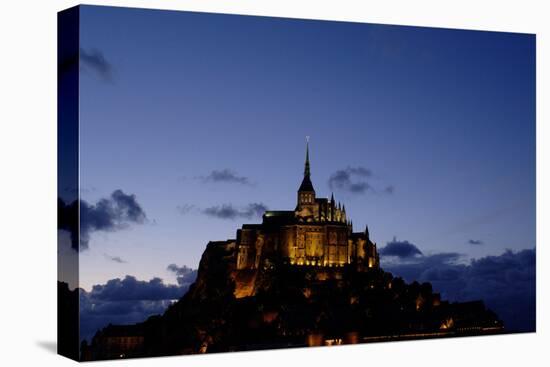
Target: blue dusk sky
{"points": [[424, 134]]}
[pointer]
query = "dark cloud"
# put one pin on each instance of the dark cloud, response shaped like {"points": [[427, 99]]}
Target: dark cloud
{"points": [[228, 211], [131, 289], [475, 242], [400, 249], [225, 211], [184, 274], [116, 259], [94, 60], [355, 180], [506, 283], [108, 214], [350, 179], [417, 267], [226, 176], [127, 301]]}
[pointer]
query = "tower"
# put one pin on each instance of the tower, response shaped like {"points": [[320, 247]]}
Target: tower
{"points": [[306, 193]]}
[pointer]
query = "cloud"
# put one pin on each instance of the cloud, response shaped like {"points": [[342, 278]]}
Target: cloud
{"points": [[418, 267], [95, 61], [184, 274], [131, 289], [228, 211], [349, 179], [126, 301], [506, 282], [475, 242], [116, 259], [108, 214], [225, 176], [354, 180], [400, 249]]}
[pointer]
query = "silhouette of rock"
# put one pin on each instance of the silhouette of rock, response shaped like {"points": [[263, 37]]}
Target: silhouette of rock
{"points": [[293, 306]]}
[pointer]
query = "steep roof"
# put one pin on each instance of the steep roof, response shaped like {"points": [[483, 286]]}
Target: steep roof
{"points": [[306, 184]]}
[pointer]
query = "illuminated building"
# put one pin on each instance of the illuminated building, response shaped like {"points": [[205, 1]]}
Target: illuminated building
{"points": [[316, 233]]}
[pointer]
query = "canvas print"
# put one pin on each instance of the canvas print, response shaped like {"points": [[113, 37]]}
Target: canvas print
{"points": [[235, 183]]}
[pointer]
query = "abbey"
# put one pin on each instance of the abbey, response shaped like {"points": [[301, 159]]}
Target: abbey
{"points": [[316, 233]]}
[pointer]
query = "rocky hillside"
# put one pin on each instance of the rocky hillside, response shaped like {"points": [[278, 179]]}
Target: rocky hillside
{"points": [[292, 306]]}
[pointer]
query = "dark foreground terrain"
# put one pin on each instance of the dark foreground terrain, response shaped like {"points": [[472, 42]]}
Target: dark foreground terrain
{"points": [[292, 306]]}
